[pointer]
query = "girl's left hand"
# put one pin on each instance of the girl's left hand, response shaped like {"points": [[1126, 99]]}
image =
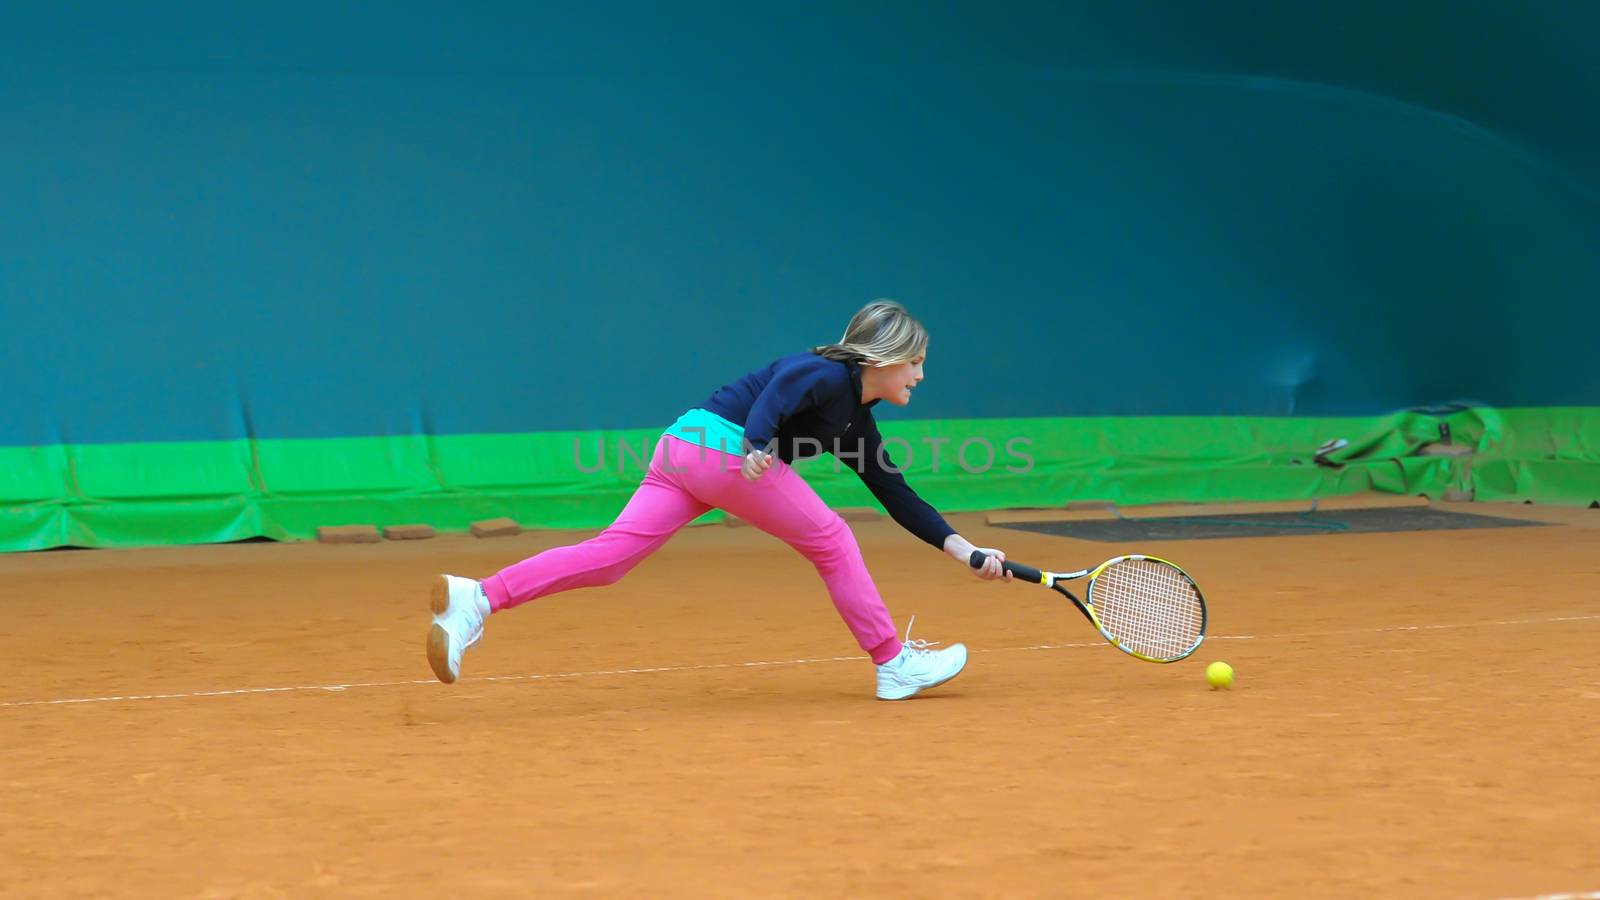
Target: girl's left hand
{"points": [[756, 464], [992, 570]]}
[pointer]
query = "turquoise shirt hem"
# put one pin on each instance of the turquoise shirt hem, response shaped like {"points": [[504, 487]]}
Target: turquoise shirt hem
{"points": [[704, 428]]}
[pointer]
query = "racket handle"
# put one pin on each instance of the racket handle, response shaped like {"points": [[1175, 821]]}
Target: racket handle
{"points": [[1017, 570]]}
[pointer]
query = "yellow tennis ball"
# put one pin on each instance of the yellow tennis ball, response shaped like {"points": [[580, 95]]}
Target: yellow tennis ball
{"points": [[1219, 675]]}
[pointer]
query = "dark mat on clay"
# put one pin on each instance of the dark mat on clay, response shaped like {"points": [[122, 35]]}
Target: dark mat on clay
{"points": [[1277, 524]]}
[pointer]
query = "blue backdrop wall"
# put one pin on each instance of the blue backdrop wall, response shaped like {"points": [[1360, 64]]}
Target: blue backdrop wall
{"points": [[302, 220]]}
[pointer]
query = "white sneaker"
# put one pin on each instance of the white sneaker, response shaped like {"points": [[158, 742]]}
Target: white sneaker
{"points": [[918, 668], [459, 608]]}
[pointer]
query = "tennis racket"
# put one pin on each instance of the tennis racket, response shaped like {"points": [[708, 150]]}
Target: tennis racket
{"points": [[1146, 607]]}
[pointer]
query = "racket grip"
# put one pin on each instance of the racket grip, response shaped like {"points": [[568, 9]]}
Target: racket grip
{"points": [[1017, 570]]}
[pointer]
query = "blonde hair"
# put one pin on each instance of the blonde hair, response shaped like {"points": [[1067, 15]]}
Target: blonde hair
{"points": [[881, 334]]}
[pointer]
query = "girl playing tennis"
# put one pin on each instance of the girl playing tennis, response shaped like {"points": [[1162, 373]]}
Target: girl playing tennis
{"points": [[733, 453]]}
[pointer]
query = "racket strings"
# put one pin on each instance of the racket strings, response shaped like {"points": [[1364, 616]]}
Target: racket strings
{"points": [[1150, 607]]}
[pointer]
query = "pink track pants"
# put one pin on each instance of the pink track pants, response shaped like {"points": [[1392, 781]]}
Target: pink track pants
{"points": [[683, 482]]}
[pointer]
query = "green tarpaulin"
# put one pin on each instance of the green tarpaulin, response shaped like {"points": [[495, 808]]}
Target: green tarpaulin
{"points": [[122, 495]]}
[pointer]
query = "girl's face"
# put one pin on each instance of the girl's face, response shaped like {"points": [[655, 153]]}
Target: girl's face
{"points": [[892, 383]]}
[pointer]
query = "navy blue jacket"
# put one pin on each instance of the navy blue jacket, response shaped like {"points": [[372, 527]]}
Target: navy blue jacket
{"points": [[804, 405]]}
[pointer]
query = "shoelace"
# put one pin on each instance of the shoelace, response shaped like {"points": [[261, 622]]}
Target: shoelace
{"points": [[917, 646]]}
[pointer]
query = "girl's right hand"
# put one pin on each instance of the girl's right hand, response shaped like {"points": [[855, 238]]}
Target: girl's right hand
{"points": [[755, 464]]}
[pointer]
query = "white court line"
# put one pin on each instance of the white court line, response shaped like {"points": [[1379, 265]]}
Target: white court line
{"points": [[129, 698], [1585, 895]]}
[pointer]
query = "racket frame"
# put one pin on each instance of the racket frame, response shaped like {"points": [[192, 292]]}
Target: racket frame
{"points": [[1053, 581]]}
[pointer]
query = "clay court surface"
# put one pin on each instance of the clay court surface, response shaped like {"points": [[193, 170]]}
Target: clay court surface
{"points": [[1416, 715]]}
